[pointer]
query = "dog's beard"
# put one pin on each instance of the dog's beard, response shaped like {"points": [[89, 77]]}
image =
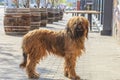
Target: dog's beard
{"points": [[78, 32]]}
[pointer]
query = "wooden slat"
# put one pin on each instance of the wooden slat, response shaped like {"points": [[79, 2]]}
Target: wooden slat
{"points": [[84, 12]]}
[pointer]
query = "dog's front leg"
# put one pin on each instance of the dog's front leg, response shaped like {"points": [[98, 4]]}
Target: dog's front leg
{"points": [[69, 69]]}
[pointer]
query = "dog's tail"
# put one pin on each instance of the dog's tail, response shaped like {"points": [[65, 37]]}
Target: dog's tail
{"points": [[23, 64]]}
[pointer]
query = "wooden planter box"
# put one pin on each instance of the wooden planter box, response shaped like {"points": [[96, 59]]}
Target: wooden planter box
{"points": [[44, 17], [16, 21], [35, 18], [56, 15], [50, 15], [61, 14]]}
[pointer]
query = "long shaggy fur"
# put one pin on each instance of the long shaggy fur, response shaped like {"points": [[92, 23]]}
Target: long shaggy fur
{"points": [[68, 44]]}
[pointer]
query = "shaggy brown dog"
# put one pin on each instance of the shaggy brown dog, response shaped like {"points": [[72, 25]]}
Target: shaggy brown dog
{"points": [[68, 44]]}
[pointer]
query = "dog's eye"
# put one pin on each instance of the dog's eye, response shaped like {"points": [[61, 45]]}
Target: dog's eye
{"points": [[75, 23], [80, 23]]}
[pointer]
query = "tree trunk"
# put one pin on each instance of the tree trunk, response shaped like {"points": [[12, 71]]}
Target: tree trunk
{"points": [[38, 3]]}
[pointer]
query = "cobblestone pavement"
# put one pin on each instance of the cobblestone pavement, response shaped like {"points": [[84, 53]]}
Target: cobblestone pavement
{"points": [[101, 61]]}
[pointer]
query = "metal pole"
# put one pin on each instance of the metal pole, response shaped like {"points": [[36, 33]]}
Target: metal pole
{"points": [[107, 25]]}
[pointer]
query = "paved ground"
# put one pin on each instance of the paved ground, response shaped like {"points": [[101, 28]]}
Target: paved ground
{"points": [[101, 61]]}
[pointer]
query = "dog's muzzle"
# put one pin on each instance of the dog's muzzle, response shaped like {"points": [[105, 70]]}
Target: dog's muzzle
{"points": [[79, 31]]}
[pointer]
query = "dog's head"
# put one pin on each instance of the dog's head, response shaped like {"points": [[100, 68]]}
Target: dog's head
{"points": [[77, 27]]}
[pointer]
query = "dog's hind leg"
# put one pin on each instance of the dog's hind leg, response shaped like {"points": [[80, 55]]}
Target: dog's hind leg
{"points": [[31, 65], [30, 68], [34, 57], [23, 64], [69, 70]]}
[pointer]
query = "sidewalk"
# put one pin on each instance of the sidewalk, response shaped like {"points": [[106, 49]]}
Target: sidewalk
{"points": [[101, 61]]}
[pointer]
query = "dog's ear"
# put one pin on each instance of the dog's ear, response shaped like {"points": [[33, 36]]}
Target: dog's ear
{"points": [[87, 28], [69, 32], [69, 23], [87, 32], [67, 28]]}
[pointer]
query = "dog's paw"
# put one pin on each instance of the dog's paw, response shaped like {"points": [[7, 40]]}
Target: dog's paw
{"points": [[66, 74], [22, 65], [75, 78], [34, 76]]}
